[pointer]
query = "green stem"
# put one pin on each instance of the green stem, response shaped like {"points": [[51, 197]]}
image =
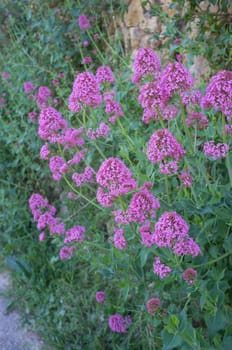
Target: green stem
{"points": [[160, 118], [96, 47], [99, 150], [167, 190], [114, 51], [84, 118], [81, 195], [125, 133], [186, 130], [195, 139], [227, 158], [213, 261]]}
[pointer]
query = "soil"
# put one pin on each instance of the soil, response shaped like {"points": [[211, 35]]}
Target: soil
{"points": [[13, 336]]}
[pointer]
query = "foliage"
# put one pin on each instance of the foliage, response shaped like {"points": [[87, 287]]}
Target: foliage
{"points": [[58, 296], [198, 28]]}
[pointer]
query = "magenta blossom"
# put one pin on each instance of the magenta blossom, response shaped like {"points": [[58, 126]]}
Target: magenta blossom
{"points": [[104, 74], [100, 296], [186, 179], [84, 22], [170, 228], [115, 178], [119, 239], [66, 252], [153, 305], [160, 269], [189, 275], [75, 233], [118, 323], [28, 87], [219, 93], [146, 63], [175, 78], [86, 90], [216, 151], [162, 145]]}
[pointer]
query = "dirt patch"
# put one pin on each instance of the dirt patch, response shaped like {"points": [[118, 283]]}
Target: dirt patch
{"points": [[12, 335]]}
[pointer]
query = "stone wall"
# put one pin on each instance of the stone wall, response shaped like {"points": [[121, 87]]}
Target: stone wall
{"points": [[138, 28], [138, 25]]}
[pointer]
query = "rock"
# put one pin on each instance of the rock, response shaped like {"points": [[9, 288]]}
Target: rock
{"points": [[134, 14], [200, 68]]}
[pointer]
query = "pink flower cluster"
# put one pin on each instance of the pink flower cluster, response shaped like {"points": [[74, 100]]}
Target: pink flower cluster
{"points": [[86, 177], [172, 231], [118, 323], [87, 60], [146, 234], [102, 131], [170, 228], [228, 129], [104, 75], [154, 99], [216, 151], [175, 78], [76, 233], [115, 179], [28, 87], [191, 97], [58, 167], [219, 93], [43, 95], [44, 215], [66, 252], [5, 75], [197, 119], [53, 128], [189, 275], [163, 147], [51, 124], [143, 205], [72, 137], [160, 269], [112, 106], [152, 96], [186, 179], [84, 22], [78, 157], [152, 305], [119, 239], [39, 205], [146, 63], [155, 96], [169, 168], [100, 296], [86, 91]]}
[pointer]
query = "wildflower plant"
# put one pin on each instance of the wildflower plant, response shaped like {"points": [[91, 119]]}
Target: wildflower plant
{"points": [[148, 185], [141, 228]]}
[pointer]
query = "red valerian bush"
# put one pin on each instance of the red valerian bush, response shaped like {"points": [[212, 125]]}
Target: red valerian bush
{"points": [[150, 233]]}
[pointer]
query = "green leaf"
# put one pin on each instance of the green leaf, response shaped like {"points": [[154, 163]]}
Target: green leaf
{"points": [[227, 341], [18, 265], [143, 256], [170, 341], [216, 323]]}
